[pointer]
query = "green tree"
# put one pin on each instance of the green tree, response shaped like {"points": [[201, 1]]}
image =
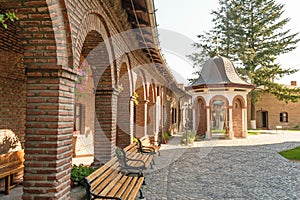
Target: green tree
{"points": [[7, 16], [251, 33]]}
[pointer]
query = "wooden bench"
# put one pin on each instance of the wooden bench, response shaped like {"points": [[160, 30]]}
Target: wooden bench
{"points": [[145, 146], [110, 182], [10, 164], [133, 152], [121, 177]]}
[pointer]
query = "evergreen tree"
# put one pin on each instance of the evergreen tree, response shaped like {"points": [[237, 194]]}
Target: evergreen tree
{"points": [[252, 34]]}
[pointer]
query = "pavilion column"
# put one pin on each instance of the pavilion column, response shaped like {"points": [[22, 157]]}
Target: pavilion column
{"points": [[195, 120], [49, 128], [208, 130], [244, 121], [231, 133], [105, 124]]}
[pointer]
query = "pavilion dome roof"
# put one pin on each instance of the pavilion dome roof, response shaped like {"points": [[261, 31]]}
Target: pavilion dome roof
{"points": [[219, 70]]}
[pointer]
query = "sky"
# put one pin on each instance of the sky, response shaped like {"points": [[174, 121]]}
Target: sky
{"points": [[181, 21]]}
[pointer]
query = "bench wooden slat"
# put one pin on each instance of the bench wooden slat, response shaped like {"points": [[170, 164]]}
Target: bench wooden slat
{"points": [[103, 180], [121, 187], [130, 188], [112, 185]]}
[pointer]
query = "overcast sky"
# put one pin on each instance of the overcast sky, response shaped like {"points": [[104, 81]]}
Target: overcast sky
{"points": [[189, 18]]}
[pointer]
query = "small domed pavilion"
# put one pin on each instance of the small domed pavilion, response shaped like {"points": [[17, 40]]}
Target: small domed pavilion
{"points": [[219, 100]]}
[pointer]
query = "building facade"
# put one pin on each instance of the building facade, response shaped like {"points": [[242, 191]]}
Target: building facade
{"points": [[272, 113]]}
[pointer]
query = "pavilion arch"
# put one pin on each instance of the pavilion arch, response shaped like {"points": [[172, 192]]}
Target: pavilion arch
{"points": [[200, 116], [238, 116], [219, 114]]}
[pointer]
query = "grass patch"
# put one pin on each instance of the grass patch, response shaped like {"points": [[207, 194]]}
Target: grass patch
{"points": [[253, 133], [291, 154]]}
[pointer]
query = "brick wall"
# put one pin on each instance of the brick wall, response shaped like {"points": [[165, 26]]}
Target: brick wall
{"points": [[237, 118], [274, 107]]}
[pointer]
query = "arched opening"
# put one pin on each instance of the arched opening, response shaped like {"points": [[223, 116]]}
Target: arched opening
{"points": [[139, 108], [124, 115], [98, 98], [219, 117]]}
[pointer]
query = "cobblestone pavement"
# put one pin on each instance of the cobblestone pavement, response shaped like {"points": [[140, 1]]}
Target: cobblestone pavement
{"points": [[219, 169], [226, 169]]}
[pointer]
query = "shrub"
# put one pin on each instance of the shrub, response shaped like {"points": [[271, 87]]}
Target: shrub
{"points": [[79, 173], [191, 137]]}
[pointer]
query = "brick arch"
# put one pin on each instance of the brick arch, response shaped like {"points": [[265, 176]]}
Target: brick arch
{"points": [[48, 24], [94, 22], [62, 32], [201, 118], [125, 108]]}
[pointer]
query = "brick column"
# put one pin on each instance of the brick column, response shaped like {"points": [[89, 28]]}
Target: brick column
{"points": [[105, 125], [49, 127], [125, 121]]}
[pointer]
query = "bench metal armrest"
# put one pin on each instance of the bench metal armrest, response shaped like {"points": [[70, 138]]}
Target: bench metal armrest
{"points": [[136, 160]]}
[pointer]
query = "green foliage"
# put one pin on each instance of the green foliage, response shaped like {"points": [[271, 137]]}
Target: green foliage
{"points": [[251, 33], [7, 16], [135, 98], [254, 132], [191, 137], [166, 136], [79, 172], [135, 140], [291, 154]]}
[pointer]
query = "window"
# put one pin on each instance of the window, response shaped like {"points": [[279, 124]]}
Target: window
{"points": [[284, 117]]}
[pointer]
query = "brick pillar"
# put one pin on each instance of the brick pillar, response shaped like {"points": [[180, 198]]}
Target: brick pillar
{"points": [[105, 125], [48, 138], [125, 121]]}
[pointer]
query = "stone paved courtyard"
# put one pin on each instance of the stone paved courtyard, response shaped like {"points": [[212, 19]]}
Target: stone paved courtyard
{"points": [[220, 169], [225, 169]]}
